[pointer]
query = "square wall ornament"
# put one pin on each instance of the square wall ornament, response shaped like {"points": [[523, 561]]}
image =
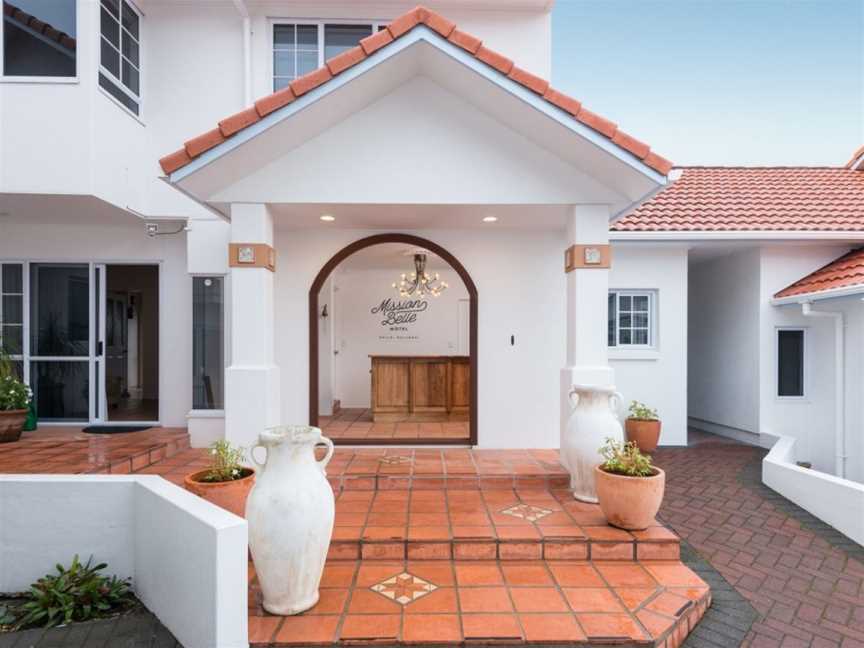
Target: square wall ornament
{"points": [[580, 257], [251, 255]]}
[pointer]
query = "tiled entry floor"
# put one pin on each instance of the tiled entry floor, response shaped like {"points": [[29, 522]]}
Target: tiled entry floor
{"points": [[445, 602], [354, 424]]}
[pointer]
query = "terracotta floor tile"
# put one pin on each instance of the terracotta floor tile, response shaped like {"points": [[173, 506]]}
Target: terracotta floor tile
{"points": [[610, 626], [441, 601], [484, 599], [307, 630], [384, 533], [575, 574], [537, 599], [375, 571], [478, 573], [491, 626], [588, 599], [432, 629], [669, 604], [350, 519], [343, 533], [526, 573], [654, 623], [633, 597], [429, 533], [330, 601], [371, 626], [437, 572], [559, 628], [673, 574], [262, 628], [608, 533], [387, 519], [628, 574], [428, 519], [364, 601], [474, 532], [338, 574], [517, 533]]}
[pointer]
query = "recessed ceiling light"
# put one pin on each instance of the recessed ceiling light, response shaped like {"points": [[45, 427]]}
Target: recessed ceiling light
{"points": [[327, 218], [490, 219]]}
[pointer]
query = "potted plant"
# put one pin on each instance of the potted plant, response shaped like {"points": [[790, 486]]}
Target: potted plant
{"points": [[629, 486], [14, 402], [226, 482], [642, 426]]}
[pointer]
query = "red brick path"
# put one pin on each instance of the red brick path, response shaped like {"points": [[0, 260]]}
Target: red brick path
{"points": [[808, 591]]}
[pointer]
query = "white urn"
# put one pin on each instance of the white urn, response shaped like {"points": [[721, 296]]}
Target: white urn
{"points": [[290, 512], [593, 419]]}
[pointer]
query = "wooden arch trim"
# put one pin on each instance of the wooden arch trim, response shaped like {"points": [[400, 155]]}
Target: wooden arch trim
{"points": [[315, 289]]}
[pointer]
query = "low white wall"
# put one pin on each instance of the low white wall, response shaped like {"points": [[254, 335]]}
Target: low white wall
{"points": [[187, 558], [835, 501]]}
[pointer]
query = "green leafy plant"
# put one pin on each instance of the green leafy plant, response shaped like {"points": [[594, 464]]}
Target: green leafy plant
{"points": [[14, 394], [75, 593], [641, 412], [625, 459], [226, 463]]}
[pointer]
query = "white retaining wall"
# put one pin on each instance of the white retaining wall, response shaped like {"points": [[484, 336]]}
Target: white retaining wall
{"points": [[187, 558]]}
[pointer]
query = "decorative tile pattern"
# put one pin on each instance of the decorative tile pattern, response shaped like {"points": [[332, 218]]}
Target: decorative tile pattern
{"points": [[396, 460], [527, 512], [404, 588]]}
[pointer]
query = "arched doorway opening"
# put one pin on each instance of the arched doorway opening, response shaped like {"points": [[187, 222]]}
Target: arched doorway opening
{"points": [[314, 337]]}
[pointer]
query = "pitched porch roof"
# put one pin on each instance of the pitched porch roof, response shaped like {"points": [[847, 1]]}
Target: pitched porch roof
{"points": [[234, 124], [844, 275], [754, 199]]}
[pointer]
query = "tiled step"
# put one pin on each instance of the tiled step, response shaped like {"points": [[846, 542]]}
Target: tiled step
{"points": [[503, 524], [506, 603]]}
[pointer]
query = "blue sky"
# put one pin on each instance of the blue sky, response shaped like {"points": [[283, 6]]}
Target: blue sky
{"points": [[755, 82]]}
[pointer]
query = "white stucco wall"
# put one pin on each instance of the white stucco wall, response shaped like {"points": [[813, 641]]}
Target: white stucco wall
{"points": [[656, 377], [123, 241], [723, 320]]}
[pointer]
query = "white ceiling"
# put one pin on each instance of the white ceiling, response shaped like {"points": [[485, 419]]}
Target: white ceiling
{"points": [[398, 257]]}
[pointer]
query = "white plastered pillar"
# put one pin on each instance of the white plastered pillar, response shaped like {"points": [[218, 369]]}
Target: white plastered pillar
{"points": [[252, 382], [587, 303]]}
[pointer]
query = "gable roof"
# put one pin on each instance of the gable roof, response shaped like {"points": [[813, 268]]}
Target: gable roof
{"points": [[232, 125], [844, 272], [753, 199], [857, 160], [32, 23]]}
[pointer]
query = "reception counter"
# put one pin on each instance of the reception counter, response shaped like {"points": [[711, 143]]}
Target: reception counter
{"points": [[422, 385]]}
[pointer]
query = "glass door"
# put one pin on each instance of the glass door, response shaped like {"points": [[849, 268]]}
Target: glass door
{"points": [[61, 340]]}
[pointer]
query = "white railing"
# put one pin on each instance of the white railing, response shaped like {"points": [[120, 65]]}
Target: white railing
{"points": [[187, 558], [836, 501]]}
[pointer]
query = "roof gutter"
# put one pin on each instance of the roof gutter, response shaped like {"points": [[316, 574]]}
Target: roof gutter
{"points": [[848, 291], [243, 10], [839, 385]]}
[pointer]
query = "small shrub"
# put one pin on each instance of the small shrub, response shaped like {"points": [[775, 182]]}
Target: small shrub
{"points": [[76, 593], [641, 412], [14, 394], [227, 463], [625, 459]]}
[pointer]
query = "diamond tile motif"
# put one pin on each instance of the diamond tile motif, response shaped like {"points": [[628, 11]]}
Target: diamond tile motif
{"points": [[526, 512], [395, 460], [404, 588]]}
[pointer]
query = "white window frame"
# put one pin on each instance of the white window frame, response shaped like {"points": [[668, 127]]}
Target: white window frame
{"points": [[805, 355], [139, 98], [652, 317], [320, 24], [39, 79]]}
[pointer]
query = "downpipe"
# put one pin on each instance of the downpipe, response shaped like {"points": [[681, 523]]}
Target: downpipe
{"points": [[839, 383]]}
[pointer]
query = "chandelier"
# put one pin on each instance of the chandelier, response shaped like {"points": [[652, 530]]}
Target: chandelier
{"points": [[419, 283]]}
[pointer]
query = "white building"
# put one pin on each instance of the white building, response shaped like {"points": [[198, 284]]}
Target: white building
{"points": [[410, 128]]}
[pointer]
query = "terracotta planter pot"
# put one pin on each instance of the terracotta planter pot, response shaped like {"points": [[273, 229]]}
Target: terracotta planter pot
{"points": [[230, 495], [11, 424], [644, 433], [630, 502]]}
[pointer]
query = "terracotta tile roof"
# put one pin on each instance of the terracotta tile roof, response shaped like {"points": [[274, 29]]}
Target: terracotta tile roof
{"points": [[781, 199], [32, 22], [845, 272], [400, 26]]}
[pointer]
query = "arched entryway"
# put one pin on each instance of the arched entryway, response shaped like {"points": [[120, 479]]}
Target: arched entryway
{"points": [[326, 271]]}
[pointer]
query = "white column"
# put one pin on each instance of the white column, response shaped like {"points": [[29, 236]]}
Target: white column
{"points": [[587, 307], [252, 382]]}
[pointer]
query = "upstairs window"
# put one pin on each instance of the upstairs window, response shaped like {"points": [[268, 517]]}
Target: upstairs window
{"points": [[299, 48], [39, 38], [790, 363], [12, 314], [631, 318], [120, 52]]}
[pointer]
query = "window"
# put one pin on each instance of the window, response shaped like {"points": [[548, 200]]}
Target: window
{"points": [[39, 38], [631, 318], [790, 363], [303, 47], [120, 52], [207, 343], [12, 314]]}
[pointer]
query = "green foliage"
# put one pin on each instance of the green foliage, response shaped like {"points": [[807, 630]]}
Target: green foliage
{"points": [[642, 412], [73, 594], [625, 459], [227, 463], [14, 394]]}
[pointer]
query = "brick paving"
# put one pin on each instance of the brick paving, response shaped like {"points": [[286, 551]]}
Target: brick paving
{"points": [[804, 580]]}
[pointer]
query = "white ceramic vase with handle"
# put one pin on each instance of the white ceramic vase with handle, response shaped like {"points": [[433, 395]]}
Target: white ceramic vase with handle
{"points": [[593, 419], [290, 513]]}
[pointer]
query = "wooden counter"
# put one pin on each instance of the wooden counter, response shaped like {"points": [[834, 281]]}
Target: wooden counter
{"points": [[420, 385]]}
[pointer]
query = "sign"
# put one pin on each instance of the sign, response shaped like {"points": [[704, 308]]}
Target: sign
{"points": [[397, 314]]}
